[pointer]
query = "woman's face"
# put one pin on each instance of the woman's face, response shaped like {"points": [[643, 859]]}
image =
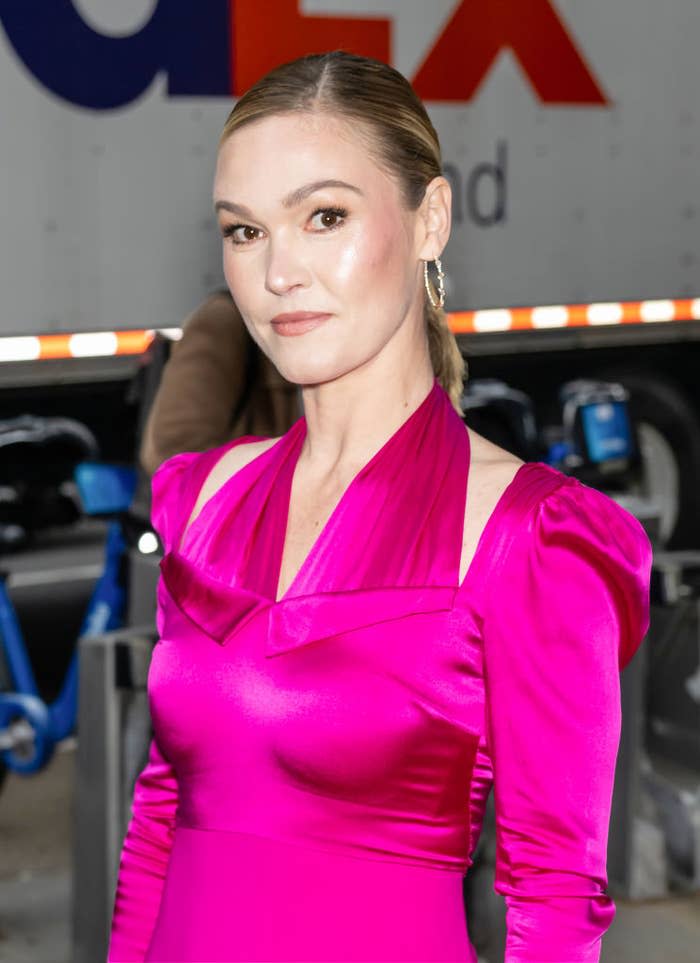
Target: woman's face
{"points": [[320, 253]]}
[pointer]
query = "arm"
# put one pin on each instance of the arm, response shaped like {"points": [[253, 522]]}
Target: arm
{"points": [[144, 860], [146, 850], [571, 605], [201, 386]]}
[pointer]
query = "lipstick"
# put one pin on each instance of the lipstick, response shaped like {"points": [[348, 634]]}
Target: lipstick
{"points": [[295, 323]]}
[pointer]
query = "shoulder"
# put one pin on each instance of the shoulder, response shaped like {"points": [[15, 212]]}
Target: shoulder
{"points": [[233, 459], [571, 555], [491, 471], [542, 503], [186, 481]]}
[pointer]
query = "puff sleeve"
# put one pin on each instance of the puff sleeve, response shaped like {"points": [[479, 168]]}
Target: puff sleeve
{"points": [[146, 849], [568, 610]]}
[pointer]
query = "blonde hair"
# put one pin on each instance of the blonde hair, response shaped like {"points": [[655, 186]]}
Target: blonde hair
{"points": [[402, 138]]}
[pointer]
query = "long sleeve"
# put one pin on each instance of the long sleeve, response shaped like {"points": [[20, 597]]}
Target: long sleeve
{"points": [[568, 610], [202, 384], [144, 860], [146, 848]]}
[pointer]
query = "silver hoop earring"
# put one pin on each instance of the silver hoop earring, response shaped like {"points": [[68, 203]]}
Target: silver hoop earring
{"points": [[440, 301]]}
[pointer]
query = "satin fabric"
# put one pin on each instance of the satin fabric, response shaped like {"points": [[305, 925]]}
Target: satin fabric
{"points": [[317, 781]]}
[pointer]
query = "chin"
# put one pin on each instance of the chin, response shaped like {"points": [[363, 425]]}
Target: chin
{"points": [[311, 370]]}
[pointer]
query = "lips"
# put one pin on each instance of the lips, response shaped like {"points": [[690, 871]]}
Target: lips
{"points": [[298, 322]]}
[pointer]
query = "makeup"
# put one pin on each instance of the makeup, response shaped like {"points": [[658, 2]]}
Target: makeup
{"points": [[296, 323]]}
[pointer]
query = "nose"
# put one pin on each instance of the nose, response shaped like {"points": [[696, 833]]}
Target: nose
{"points": [[285, 269]]}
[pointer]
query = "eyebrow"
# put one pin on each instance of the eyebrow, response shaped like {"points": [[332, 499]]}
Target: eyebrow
{"points": [[291, 200], [301, 193]]}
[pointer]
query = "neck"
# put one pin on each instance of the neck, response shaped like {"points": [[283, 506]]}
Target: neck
{"points": [[348, 420]]}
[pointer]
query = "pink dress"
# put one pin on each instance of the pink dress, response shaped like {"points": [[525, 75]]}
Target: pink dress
{"points": [[317, 780]]}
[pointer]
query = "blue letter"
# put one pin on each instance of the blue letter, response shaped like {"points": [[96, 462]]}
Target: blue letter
{"points": [[187, 39]]}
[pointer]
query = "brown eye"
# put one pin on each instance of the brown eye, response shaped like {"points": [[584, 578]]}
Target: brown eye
{"points": [[328, 218], [241, 233]]}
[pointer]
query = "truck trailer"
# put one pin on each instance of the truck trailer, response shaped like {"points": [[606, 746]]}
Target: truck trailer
{"points": [[570, 136]]}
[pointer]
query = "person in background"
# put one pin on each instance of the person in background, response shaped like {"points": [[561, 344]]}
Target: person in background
{"points": [[216, 386]]}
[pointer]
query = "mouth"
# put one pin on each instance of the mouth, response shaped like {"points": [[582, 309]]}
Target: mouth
{"points": [[298, 322]]}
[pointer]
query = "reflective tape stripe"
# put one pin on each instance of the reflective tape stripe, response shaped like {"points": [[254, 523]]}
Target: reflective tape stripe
{"points": [[657, 311], [20, 349], [611, 313], [543, 317], [554, 316], [103, 344], [85, 344]]}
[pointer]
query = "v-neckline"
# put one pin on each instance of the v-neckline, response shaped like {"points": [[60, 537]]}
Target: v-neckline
{"points": [[316, 546]]}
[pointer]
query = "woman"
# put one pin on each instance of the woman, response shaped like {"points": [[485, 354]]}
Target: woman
{"points": [[368, 621]]}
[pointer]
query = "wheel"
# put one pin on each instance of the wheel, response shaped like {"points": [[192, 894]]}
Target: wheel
{"points": [[668, 429]]}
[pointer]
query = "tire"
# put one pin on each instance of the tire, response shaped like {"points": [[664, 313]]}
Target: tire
{"points": [[669, 435]]}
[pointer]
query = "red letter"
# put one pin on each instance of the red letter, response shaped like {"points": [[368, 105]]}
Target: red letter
{"points": [[271, 33], [532, 29]]}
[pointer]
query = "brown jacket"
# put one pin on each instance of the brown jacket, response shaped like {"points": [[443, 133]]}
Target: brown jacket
{"points": [[217, 385]]}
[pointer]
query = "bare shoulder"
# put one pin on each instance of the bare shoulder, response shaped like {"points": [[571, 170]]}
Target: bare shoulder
{"points": [[491, 470], [226, 467]]}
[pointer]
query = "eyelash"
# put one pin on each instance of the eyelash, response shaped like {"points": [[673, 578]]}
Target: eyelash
{"points": [[339, 212]]}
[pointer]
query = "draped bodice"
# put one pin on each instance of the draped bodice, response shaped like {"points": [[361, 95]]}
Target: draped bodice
{"points": [[394, 536]]}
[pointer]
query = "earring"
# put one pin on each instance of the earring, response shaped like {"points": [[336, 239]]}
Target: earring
{"points": [[440, 302]]}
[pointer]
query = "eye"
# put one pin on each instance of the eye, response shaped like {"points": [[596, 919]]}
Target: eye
{"points": [[327, 218], [241, 233]]}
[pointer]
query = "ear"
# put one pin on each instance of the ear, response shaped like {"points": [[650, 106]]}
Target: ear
{"points": [[434, 219]]}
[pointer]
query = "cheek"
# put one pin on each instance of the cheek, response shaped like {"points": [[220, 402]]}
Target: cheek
{"points": [[370, 261], [241, 281]]}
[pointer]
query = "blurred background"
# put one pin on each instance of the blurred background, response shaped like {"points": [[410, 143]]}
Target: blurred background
{"points": [[571, 137]]}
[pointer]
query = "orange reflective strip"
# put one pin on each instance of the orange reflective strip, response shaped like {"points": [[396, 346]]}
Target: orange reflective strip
{"points": [[133, 342], [58, 346], [54, 346], [685, 309], [631, 312], [578, 315], [461, 322], [488, 320], [521, 319]]}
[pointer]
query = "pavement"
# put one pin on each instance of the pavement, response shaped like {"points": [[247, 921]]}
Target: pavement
{"points": [[36, 833]]}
